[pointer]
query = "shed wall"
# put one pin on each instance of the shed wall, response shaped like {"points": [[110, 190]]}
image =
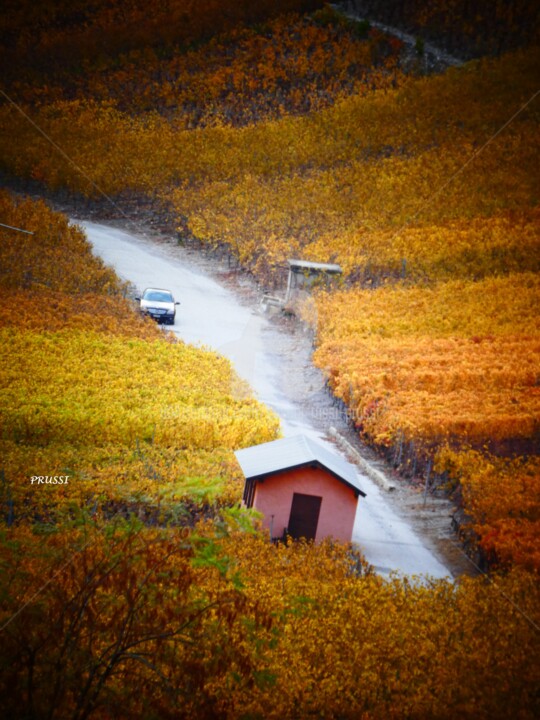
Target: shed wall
{"points": [[273, 497]]}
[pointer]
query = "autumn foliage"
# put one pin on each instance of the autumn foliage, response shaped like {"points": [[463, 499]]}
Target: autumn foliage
{"points": [[297, 136], [44, 252], [425, 183], [63, 36], [413, 363], [430, 373], [289, 65], [92, 390], [224, 624], [502, 496]]}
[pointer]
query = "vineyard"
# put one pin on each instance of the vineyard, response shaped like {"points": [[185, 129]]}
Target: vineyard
{"points": [[118, 576], [92, 390], [271, 130], [444, 380], [291, 64]]}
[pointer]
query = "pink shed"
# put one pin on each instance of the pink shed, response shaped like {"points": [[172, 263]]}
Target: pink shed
{"points": [[301, 488]]}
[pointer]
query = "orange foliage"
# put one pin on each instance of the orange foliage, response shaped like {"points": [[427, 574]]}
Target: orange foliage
{"points": [[291, 65], [225, 624], [437, 362], [429, 366], [59, 38], [88, 614], [503, 499], [50, 310], [478, 390], [56, 255], [354, 184]]}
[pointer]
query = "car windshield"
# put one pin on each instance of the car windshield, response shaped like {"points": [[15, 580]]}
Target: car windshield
{"points": [[158, 296]]}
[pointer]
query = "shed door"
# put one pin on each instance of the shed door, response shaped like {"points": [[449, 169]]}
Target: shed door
{"points": [[304, 516]]}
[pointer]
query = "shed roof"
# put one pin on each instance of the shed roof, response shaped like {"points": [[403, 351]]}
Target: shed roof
{"points": [[297, 265], [260, 461]]}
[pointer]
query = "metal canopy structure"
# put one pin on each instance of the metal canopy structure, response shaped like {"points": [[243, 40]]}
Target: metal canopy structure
{"points": [[302, 266], [311, 269], [305, 268]]}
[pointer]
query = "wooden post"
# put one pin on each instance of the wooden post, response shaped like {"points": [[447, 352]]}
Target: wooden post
{"points": [[289, 283], [427, 481]]}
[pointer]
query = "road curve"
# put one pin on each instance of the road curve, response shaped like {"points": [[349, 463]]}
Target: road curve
{"points": [[211, 315]]}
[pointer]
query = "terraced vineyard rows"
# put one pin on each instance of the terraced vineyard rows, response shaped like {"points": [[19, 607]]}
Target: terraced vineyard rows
{"points": [[91, 390], [425, 190]]}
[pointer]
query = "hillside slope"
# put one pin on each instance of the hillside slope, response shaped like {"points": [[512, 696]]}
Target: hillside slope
{"points": [[429, 184]]}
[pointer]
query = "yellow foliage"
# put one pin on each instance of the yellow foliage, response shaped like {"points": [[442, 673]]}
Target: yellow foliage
{"points": [[457, 363], [56, 255], [91, 390], [86, 388], [226, 624], [156, 484], [41, 309]]}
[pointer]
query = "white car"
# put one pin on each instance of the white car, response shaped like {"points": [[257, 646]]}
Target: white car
{"points": [[158, 304]]}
